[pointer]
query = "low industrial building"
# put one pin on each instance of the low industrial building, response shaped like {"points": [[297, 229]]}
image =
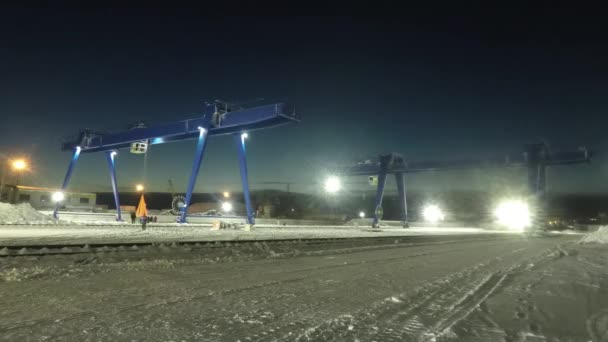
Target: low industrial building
{"points": [[41, 198]]}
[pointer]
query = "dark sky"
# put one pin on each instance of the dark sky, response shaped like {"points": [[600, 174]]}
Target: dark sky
{"points": [[431, 85]]}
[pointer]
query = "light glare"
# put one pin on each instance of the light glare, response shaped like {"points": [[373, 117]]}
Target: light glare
{"points": [[333, 184], [513, 214], [432, 214], [362, 214], [57, 196], [226, 207], [19, 165]]}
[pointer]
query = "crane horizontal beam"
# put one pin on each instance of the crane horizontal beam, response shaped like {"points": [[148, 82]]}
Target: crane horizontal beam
{"points": [[396, 163], [218, 120]]}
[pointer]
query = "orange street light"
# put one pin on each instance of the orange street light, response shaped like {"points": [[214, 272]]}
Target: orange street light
{"points": [[19, 165]]}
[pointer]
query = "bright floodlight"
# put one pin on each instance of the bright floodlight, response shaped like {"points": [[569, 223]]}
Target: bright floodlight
{"points": [[19, 165], [432, 214], [333, 184], [226, 207], [57, 196], [244, 135], [226, 194], [513, 214], [139, 188], [362, 214], [113, 153]]}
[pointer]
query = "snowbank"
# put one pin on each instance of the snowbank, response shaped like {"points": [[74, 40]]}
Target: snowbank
{"points": [[599, 236], [22, 214]]}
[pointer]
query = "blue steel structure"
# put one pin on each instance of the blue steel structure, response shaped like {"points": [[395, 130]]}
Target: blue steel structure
{"points": [[240, 144], [536, 158], [217, 119], [110, 157], [68, 175]]}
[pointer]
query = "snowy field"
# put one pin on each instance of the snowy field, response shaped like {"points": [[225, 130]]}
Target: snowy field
{"points": [[78, 234], [511, 288], [459, 284], [22, 225]]}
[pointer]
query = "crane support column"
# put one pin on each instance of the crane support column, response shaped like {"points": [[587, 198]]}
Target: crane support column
{"points": [[537, 179], [196, 166], [378, 211], [240, 143], [112, 166], [536, 161], [536, 185], [400, 178], [68, 175]]}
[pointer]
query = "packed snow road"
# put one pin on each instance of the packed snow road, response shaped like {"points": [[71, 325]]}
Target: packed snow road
{"points": [[499, 287]]}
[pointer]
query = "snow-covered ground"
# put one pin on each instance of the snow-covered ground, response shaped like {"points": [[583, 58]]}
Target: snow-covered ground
{"points": [[23, 214], [492, 287], [504, 289], [22, 225], [78, 234], [599, 236]]}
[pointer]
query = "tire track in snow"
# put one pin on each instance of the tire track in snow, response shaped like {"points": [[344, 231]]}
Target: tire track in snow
{"points": [[399, 317], [429, 311], [597, 326], [462, 309], [313, 314]]}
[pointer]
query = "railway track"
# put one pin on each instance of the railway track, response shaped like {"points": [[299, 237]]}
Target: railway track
{"points": [[270, 244]]}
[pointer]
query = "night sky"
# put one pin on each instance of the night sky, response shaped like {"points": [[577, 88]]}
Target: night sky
{"points": [[477, 83]]}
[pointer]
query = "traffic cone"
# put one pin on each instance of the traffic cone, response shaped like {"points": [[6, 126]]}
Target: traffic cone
{"points": [[142, 210]]}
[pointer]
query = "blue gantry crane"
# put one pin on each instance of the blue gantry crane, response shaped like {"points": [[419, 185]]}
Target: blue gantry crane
{"points": [[535, 157], [218, 118]]}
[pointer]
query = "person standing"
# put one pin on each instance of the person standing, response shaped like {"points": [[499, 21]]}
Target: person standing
{"points": [[133, 217]]}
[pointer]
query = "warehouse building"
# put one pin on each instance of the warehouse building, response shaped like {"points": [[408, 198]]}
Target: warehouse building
{"points": [[41, 198]]}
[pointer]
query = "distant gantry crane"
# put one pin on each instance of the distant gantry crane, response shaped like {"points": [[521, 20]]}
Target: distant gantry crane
{"points": [[218, 118], [535, 157]]}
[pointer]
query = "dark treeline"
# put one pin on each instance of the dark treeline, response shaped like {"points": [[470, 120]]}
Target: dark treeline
{"points": [[459, 206]]}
